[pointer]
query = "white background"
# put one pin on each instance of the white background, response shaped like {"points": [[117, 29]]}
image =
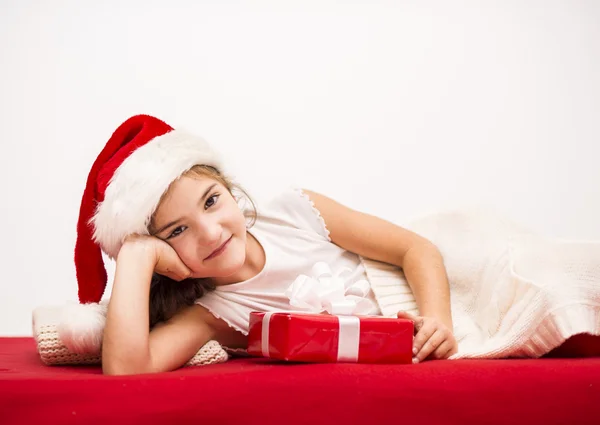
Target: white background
{"points": [[395, 108]]}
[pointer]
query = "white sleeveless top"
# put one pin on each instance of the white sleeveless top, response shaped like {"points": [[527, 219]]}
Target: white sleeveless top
{"points": [[294, 238]]}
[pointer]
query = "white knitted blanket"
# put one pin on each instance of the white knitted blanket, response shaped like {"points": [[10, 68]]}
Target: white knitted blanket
{"points": [[513, 293]]}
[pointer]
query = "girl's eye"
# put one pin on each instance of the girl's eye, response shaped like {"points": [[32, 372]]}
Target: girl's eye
{"points": [[209, 203], [177, 231]]}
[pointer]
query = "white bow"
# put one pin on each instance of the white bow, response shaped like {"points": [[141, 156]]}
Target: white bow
{"points": [[326, 291]]}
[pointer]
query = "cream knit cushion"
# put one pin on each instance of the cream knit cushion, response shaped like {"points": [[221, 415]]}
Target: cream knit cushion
{"points": [[53, 352]]}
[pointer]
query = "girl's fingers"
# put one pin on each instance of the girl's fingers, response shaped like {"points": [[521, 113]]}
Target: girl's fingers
{"points": [[431, 338], [437, 337], [417, 320], [406, 315], [183, 272], [423, 335], [443, 350], [177, 276]]}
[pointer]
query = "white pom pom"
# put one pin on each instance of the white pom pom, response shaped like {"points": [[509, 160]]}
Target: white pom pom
{"points": [[81, 327]]}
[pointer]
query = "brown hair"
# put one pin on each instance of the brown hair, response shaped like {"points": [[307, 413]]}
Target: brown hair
{"points": [[168, 296]]}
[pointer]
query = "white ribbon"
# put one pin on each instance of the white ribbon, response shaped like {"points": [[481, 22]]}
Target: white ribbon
{"points": [[265, 334], [325, 291], [348, 339]]}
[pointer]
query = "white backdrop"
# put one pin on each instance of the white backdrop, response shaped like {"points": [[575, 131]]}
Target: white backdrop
{"points": [[395, 108]]}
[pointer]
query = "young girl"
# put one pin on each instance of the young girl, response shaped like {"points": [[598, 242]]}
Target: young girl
{"points": [[192, 262]]}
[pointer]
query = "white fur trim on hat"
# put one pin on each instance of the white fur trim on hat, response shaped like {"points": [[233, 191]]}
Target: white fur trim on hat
{"points": [[137, 185]]}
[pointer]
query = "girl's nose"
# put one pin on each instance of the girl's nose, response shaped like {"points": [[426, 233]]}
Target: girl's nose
{"points": [[210, 233]]}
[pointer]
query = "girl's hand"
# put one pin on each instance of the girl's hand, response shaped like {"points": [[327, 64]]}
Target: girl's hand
{"points": [[433, 339], [163, 256]]}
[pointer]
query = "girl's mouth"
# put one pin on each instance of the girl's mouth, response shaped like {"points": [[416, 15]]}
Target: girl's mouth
{"points": [[219, 250]]}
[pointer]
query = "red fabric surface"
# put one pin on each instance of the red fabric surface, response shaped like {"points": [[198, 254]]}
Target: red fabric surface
{"points": [[315, 338], [262, 391]]}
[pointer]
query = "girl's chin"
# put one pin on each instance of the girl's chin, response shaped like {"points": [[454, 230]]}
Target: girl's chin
{"points": [[225, 265]]}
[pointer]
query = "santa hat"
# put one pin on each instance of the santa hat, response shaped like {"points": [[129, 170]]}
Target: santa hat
{"points": [[125, 184]]}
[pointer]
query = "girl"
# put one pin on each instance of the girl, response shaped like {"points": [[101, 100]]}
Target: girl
{"points": [[192, 263]]}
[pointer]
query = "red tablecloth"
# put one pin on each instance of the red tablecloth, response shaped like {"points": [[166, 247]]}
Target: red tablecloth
{"points": [[260, 391]]}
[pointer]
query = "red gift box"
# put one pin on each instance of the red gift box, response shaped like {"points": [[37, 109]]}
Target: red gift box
{"points": [[324, 338]]}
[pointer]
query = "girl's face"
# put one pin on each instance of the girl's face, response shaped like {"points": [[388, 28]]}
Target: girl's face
{"points": [[197, 217]]}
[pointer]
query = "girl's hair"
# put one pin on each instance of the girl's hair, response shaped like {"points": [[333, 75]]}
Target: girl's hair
{"points": [[167, 296]]}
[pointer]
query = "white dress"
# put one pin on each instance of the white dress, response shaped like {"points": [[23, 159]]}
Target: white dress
{"points": [[295, 238]]}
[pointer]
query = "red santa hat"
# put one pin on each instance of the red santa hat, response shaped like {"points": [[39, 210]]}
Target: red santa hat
{"points": [[125, 184]]}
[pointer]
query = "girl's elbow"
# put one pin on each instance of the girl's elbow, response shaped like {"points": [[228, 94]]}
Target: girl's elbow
{"points": [[121, 368], [110, 370], [123, 371]]}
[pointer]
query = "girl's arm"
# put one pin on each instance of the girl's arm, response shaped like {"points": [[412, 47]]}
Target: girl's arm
{"points": [[380, 240], [128, 345], [423, 266], [421, 261]]}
